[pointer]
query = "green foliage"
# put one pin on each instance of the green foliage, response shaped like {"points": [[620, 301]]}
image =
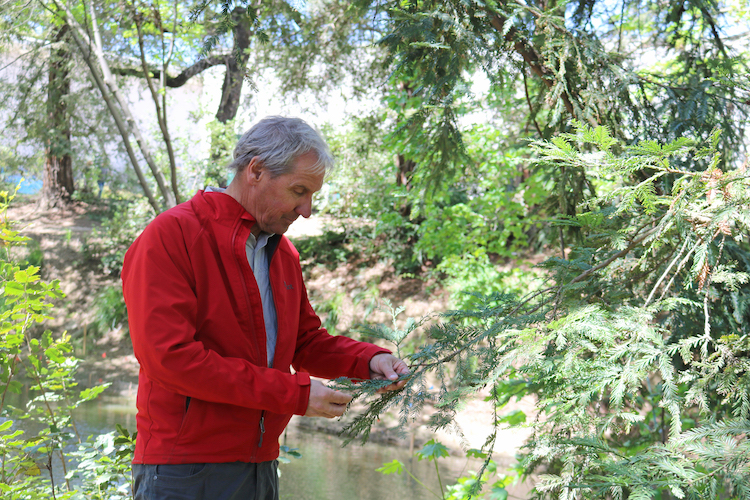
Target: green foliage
{"points": [[285, 452], [392, 334], [121, 225], [358, 187], [111, 312], [465, 488], [33, 256], [223, 139], [550, 62], [329, 249], [104, 465], [39, 364], [635, 345]]}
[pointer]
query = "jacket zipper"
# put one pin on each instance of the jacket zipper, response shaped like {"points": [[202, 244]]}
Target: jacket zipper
{"points": [[255, 341], [262, 427]]}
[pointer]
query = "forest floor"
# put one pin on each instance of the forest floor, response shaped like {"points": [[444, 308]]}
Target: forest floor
{"points": [[351, 291]]}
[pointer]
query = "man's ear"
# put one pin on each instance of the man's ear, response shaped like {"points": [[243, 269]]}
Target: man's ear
{"points": [[254, 170]]}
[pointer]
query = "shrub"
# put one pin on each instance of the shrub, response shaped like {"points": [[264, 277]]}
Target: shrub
{"points": [[120, 226], [636, 350], [44, 364]]}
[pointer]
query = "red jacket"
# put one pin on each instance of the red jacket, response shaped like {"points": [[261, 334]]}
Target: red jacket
{"points": [[205, 393]]}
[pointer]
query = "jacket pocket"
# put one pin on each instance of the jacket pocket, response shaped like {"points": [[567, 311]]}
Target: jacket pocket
{"points": [[216, 430]]}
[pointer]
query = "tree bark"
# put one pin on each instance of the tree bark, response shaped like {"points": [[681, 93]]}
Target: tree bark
{"points": [[236, 66], [58, 185]]}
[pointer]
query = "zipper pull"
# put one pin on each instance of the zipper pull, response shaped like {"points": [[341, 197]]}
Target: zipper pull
{"points": [[262, 430]]}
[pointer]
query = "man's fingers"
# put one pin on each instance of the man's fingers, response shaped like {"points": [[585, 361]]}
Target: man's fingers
{"points": [[325, 402], [387, 367], [393, 387], [388, 372], [340, 398]]}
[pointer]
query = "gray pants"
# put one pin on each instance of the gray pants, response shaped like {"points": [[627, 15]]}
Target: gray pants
{"points": [[229, 481]]}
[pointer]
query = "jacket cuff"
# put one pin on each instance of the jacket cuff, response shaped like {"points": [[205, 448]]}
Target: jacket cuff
{"points": [[303, 380]]}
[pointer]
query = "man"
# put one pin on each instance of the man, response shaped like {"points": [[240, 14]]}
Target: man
{"points": [[218, 312]]}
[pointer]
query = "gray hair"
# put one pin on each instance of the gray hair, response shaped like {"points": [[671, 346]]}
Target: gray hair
{"points": [[277, 141]]}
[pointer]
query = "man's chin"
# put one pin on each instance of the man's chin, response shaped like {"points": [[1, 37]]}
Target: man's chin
{"points": [[283, 226]]}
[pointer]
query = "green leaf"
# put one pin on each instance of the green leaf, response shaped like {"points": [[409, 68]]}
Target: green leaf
{"points": [[294, 452], [32, 470], [13, 288], [15, 386], [498, 493], [515, 417], [432, 451], [54, 354], [394, 467]]}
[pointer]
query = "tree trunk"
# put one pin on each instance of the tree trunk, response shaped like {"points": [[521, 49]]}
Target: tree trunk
{"points": [[236, 67], [231, 91], [58, 186], [404, 166]]}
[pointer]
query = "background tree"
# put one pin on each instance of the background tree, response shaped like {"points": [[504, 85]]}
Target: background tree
{"points": [[58, 186], [580, 60]]}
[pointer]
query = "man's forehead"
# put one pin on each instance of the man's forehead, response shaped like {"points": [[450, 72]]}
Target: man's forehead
{"points": [[310, 179]]}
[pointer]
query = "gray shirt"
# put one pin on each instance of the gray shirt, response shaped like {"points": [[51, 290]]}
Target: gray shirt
{"points": [[257, 257]]}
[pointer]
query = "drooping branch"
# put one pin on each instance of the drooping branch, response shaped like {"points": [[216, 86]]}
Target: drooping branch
{"points": [[109, 79], [526, 50]]}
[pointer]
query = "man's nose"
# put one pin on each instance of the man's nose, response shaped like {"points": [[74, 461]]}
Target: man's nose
{"points": [[305, 208]]}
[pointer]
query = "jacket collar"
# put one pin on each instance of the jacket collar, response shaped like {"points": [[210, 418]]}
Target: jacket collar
{"points": [[220, 208]]}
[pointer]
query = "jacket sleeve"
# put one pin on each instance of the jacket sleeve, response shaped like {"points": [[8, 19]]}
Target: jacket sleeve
{"points": [[329, 356], [159, 290]]}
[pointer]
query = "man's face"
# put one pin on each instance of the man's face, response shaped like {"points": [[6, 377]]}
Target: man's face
{"points": [[277, 202]]}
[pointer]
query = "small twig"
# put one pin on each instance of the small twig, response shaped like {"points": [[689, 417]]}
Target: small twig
{"points": [[51, 474], [532, 115], [707, 323], [440, 481], [666, 272], [476, 340], [679, 268]]}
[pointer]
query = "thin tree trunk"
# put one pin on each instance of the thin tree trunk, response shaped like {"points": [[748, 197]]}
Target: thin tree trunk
{"points": [[58, 186], [109, 79], [161, 109], [405, 166], [231, 91], [167, 59]]}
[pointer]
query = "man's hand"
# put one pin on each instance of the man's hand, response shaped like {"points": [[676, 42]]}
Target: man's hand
{"points": [[388, 367], [325, 402]]}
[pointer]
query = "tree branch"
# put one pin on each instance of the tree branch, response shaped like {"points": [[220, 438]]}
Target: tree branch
{"points": [[182, 78], [621, 253]]}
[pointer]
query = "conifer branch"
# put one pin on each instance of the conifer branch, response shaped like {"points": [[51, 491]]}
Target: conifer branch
{"points": [[634, 243]]}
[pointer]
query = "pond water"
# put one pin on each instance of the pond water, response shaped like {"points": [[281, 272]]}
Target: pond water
{"points": [[326, 471]]}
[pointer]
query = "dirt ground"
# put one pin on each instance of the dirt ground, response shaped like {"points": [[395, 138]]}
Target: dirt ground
{"points": [[354, 291]]}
